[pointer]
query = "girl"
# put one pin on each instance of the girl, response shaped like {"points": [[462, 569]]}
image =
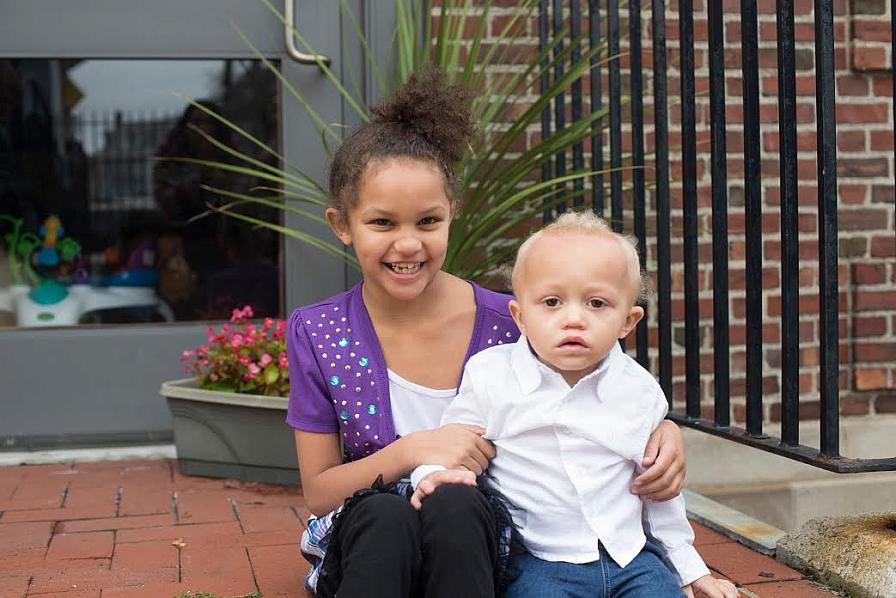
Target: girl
{"points": [[372, 370]]}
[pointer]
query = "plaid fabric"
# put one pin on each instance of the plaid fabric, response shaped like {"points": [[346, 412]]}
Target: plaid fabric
{"points": [[316, 537]]}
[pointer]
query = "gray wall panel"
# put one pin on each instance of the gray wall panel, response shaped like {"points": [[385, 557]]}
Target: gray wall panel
{"points": [[137, 28], [89, 381]]}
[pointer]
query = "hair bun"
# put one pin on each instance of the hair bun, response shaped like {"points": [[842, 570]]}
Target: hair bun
{"points": [[429, 106]]}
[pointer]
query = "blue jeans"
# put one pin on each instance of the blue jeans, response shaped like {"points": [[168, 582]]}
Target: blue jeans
{"points": [[645, 577]]}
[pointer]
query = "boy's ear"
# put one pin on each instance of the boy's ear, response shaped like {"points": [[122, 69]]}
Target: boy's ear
{"points": [[338, 225], [516, 313], [634, 316]]}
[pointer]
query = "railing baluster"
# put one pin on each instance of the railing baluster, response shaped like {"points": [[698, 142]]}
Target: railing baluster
{"points": [[545, 82], [578, 150], [827, 227], [689, 201], [638, 198], [597, 148], [719, 150], [615, 116], [753, 213], [661, 143], [559, 103], [789, 222]]}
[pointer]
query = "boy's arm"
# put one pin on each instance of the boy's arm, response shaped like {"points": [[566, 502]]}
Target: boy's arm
{"points": [[668, 523], [464, 409]]}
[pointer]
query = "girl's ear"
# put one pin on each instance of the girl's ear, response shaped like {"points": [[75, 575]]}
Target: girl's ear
{"points": [[517, 315], [339, 225], [634, 316]]}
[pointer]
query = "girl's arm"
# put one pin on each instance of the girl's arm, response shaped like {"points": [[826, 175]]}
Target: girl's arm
{"points": [[664, 460], [327, 482]]}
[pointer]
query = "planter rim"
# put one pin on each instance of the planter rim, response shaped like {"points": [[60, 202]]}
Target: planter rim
{"points": [[188, 389]]}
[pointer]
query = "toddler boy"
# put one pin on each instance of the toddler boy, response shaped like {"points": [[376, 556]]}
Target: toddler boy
{"points": [[570, 414]]}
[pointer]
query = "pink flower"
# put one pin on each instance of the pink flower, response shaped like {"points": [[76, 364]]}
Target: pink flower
{"points": [[239, 352]]}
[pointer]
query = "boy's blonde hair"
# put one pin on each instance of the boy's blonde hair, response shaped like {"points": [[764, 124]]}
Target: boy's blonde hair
{"points": [[588, 223]]}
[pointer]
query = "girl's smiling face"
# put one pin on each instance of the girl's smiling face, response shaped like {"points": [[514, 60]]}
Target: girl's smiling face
{"points": [[398, 226]]}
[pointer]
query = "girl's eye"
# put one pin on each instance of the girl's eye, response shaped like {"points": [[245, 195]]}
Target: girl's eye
{"points": [[429, 221], [596, 303], [552, 302]]}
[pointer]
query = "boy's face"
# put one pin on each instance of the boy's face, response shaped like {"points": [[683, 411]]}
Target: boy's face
{"points": [[575, 295]]}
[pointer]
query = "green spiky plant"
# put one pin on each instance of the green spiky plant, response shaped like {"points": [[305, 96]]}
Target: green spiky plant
{"points": [[501, 194]]}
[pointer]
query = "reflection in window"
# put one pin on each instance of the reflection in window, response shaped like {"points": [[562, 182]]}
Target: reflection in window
{"points": [[96, 226]]}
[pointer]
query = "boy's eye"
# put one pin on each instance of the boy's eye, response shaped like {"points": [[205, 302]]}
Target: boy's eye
{"points": [[380, 222], [552, 302], [596, 303]]}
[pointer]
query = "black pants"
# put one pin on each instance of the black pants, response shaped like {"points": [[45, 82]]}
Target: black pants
{"points": [[389, 550]]}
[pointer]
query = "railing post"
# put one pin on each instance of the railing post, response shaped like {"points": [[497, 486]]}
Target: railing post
{"points": [[829, 381], [790, 328]]}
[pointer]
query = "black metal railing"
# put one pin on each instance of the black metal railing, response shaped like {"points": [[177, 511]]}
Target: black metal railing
{"points": [[554, 20]]}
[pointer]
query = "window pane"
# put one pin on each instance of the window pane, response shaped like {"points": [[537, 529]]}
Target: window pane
{"points": [[97, 226]]}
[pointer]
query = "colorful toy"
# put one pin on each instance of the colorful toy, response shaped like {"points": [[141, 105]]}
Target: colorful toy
{"points": [[38, 300]]}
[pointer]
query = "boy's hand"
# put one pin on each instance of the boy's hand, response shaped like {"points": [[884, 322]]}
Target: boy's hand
{"points": [[710, 587], [429, 484]]}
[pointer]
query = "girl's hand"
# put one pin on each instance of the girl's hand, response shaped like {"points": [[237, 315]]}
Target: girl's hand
{"points": [[429, 484], [664, 460], [710, 587], [454, 446]]}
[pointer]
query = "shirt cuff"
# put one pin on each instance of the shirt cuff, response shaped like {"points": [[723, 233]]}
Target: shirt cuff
{"points": [[687, 563], [423, 471]]}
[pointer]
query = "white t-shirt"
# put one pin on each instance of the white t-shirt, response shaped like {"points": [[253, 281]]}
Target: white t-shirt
{"points": [[416, 407]]}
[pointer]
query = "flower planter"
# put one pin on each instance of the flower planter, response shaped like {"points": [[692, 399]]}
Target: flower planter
{"points": [[231, 435]]}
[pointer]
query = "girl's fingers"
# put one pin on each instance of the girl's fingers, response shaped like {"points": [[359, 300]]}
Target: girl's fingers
{"points": [[473, 465], [486, 448]]}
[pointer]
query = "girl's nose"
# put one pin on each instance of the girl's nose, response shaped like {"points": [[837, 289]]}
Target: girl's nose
{"points": [[407, 244]]}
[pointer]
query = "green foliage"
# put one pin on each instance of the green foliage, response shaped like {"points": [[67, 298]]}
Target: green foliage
{"points": [[497, 173]]}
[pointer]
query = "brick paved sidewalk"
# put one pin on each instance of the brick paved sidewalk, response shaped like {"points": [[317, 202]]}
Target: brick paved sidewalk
{"points": [[140, 528]]}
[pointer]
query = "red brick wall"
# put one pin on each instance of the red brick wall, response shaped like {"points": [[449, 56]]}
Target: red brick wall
{"points": [[867, 239]]}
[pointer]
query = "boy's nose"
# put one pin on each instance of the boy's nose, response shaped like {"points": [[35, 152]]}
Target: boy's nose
{"points": [[572, 317]]}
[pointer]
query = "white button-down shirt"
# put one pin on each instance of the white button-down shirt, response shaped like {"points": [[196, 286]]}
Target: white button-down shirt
{"points": [[567, 456]]}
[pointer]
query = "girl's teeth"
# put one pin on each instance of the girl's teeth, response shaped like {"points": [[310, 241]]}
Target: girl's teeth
{"points": [[405, 268]]}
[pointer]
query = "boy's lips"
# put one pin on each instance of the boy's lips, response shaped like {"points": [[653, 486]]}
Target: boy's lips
{"points": [[573, 344]]}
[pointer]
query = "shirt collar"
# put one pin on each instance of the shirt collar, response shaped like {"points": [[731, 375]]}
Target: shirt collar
{"points": [[529, 370]]}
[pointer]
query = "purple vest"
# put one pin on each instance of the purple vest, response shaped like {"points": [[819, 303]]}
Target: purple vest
{"points": [[338, 376]]}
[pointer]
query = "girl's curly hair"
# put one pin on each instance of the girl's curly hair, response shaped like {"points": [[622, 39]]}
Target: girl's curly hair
{"points": [[427, 119]]}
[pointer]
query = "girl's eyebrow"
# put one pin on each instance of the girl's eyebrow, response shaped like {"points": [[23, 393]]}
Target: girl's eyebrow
{"points": [[374, 212]]}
